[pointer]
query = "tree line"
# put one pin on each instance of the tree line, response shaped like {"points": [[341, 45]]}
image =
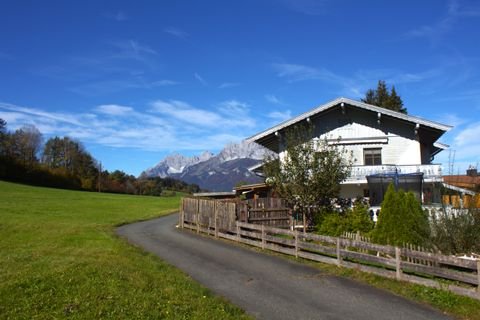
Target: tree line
{"points": [[63, 162]]}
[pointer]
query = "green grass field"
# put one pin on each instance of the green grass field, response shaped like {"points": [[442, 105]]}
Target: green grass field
{"points": [[60, 258]]}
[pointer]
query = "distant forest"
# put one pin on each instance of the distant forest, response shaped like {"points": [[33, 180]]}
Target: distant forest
{"points": [[62, 162]]}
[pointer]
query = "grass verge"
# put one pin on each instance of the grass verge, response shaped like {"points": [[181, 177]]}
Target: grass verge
{"points": [[60, 258]]}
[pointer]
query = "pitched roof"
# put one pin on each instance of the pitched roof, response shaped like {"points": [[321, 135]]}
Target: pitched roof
{"points": [[345, 101]]}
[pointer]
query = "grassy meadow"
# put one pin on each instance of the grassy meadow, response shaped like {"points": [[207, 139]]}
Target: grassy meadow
{"points": [[60, 258]]}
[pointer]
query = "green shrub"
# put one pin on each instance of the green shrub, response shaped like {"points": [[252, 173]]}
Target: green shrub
{"points": [[353, 220], [457, 234], [401, 220]]}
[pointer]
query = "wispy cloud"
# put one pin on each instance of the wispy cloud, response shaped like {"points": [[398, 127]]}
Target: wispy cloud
{"points": [[273, 99], [451, 119], [298, 72], [200, 79], [435, 31], [446, 73], [114, 109], [280, 115], [164, 126], [164, 83], [228, 85], [131, 49], [184, 112], [176, 32], [231, 113], [97, 88], [469, 137]]}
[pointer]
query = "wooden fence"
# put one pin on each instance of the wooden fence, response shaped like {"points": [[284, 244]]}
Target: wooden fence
{"points": [[405, 264], [271, 212], [208, 214]]}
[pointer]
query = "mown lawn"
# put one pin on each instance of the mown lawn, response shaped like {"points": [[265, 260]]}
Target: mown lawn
{"points": [[60, 258]]}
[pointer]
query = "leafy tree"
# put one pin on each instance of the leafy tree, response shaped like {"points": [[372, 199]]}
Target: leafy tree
{"points": [[309, 174], [3, 126], [69, 156], [3, 136], [382, 98], [401, 220], [25, 144]]}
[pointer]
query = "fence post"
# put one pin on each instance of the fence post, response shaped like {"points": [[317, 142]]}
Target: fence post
{"points": [[216, 218], [339, 253], [292, 223], [296, 244], [398, 261], [478, 275], [182, 214], [263, 236], [198, 216], [304, 223]]}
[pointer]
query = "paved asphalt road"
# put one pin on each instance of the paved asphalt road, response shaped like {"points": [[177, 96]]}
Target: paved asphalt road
{"points": [[266, 286]]}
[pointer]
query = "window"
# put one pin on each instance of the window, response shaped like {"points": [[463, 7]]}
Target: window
{"points": [[372, 157]]}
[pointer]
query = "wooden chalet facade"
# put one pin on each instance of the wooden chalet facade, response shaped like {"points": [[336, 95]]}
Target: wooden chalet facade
{"points": [[386, 145]]}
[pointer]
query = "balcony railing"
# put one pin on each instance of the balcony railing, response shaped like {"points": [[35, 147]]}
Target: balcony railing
{"points": [[430, 171]]}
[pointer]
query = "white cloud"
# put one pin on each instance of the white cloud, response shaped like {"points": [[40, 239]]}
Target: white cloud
{"points": [[176, 32], [163, 83], [133, 50], [166, 125], [228, 85], [200, 79], [114, 109], [296, 72], [435, 31], [233, 107], [451, 119], [52, 116], [280, 115], [469, 136], [231, 114], [182, 111], [273, 99]]}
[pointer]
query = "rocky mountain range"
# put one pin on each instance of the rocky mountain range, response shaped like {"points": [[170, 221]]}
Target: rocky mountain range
{"points": [[211, 172]]}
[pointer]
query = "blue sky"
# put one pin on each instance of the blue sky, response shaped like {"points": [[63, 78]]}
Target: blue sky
{"points": [[137, 80]]}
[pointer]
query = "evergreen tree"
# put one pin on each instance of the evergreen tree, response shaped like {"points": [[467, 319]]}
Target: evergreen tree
{"points": [[401, 220], [382, 98]]}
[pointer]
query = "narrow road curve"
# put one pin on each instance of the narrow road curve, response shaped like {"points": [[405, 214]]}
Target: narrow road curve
{"points": [[266, 286]]}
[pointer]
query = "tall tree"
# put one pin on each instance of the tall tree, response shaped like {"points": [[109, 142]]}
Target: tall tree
{"points": [[3, 126], [3, 136], [309, 174], [70, 156], [382, 98], [25, 145]]}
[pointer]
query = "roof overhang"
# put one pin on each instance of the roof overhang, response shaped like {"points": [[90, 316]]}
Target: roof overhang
{"points": [[438, 147], [269, 138]]}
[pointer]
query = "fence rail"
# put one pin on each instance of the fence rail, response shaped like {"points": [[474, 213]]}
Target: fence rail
{"points": [[405, 264]]}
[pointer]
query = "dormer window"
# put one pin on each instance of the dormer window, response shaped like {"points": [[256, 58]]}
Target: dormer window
{"points": [[372, 156]]}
